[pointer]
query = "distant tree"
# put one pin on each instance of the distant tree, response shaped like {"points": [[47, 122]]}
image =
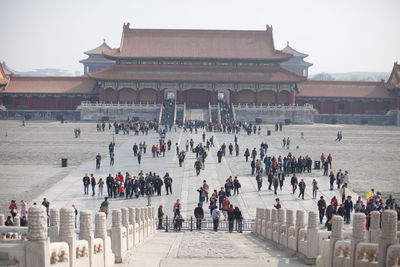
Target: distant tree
{"points": [[323, 76]]}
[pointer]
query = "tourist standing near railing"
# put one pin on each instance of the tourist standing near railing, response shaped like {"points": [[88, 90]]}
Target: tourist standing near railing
{"points": [[199, 215], [160, 216]]}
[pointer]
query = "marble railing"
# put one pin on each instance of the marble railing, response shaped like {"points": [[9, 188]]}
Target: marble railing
{"points": [[274, 107], [59, 245], [379, 246], [118, 105]]}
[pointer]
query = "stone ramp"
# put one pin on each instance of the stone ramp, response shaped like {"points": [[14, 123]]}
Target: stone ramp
{"points": [[208, 248]]}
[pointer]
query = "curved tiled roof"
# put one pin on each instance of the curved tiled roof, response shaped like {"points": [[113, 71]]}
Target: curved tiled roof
{"points": [[178, 73], [3, 78], [50, 85], [99, 50], [197, 44], [342, 89], [295, 53], [394, 79]]}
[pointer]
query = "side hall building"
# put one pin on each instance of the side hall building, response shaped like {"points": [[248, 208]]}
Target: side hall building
{"points": [[198, 67]]}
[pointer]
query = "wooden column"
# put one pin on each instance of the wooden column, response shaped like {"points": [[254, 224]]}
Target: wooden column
{"points": [[71, 103], [348, 107], [277, 98], [137, 96], [335, 107], [292, 97], [43, 104], [29, 102], [57, 102], [14, 102], [116, 95], [101, 95], [159, 96]]}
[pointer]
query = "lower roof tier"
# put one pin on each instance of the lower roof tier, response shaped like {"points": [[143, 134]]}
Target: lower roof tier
{"points": [[122, 72], [342, 89]]}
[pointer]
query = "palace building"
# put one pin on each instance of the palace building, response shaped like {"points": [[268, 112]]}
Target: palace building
{"points": [[198, 67]]}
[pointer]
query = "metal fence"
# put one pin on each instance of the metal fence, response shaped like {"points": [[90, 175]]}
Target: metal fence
{"points": [[206, 224]]}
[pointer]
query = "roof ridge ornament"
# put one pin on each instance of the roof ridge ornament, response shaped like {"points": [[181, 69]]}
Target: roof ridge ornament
{"points": [[126, 26], [269, 27]]}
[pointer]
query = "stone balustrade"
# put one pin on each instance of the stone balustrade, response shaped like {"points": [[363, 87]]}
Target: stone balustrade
{"points": [[308, 107], [59, 245], [379, 246]]}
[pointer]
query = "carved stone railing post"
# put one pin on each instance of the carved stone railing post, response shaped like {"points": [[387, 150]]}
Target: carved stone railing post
{"points": [[150, 220], [312, 236], [374, 228], [388, 236], [255, 220], [129, 228], [261, 214], [336, 235], [282, 227], [2, 219], [146, 222], [358, 234], [267, 217], [132, 221], [289, 218], [67, 232], [17, 221], [117, 240], [85, 231], [143, 220], [54, 225], [100, 231], [138, 213], [275, 225], [37, 247]]}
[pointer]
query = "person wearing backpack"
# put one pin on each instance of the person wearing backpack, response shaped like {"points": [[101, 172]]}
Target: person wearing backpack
{"points": [[236, 186]]}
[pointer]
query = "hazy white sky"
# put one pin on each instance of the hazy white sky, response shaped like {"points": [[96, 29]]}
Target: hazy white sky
{"points": [[339, 35]]}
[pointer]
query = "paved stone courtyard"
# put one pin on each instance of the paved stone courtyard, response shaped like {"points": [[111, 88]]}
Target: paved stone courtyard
{"points": [[31, 155], [30, 170]]}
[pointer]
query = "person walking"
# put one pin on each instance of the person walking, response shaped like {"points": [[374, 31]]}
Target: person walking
{"points": [[331, 180], [112, 158], [221, 197], [98, 160], [236, 186], [302, 187], [231, 218], [168, 183], [104, 207], [160, 216], [206, 188], [314, 188], [139, 157], [239, 219], [247, 154], [326, 167], [93, 183], [215, 215], [294, 183], [342, 193], [110, 184], [321, 208], [13, 209], [275, 182], [177, 207], [86, 182], [199, 215], [201, 195], [259, 180], [100, 185], [348, 208]]}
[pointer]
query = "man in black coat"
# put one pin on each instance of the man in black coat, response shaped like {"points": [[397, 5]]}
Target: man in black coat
{"points": [[321, 208], [199, 215]]}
